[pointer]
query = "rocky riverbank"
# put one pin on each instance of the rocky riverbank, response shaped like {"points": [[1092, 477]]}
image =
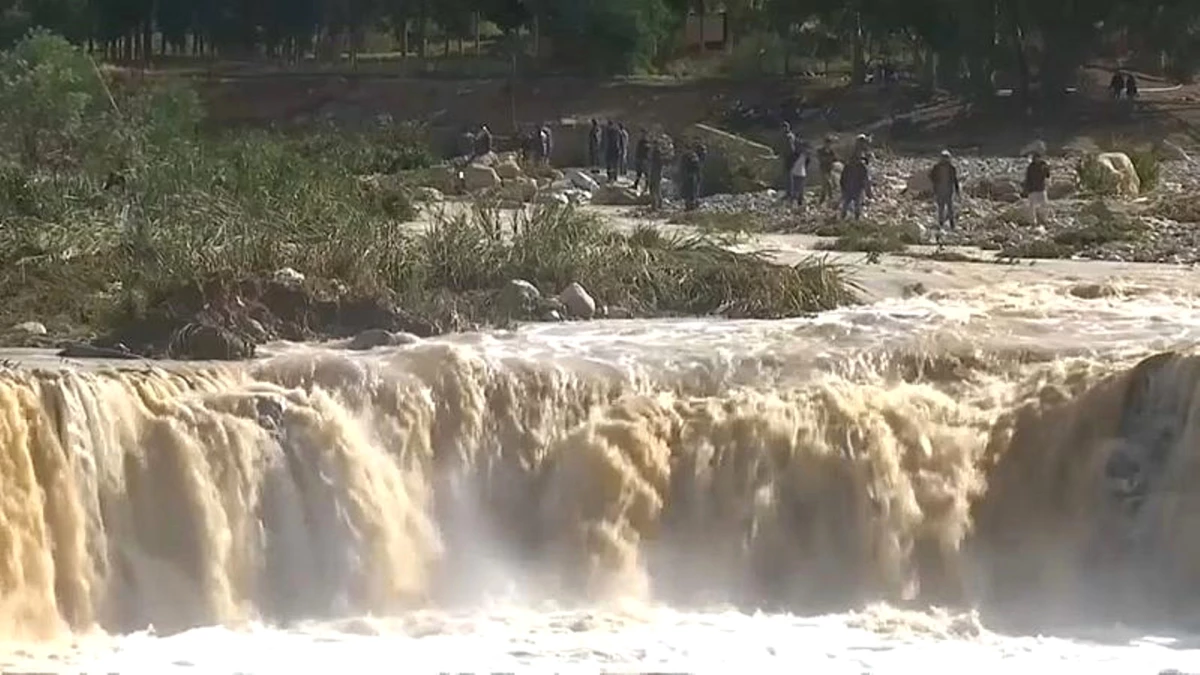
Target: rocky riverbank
{"points": [[1159, 224]]}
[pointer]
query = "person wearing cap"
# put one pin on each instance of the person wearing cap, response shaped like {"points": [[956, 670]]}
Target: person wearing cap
{"points": [[1037, 174], [944, 177]]}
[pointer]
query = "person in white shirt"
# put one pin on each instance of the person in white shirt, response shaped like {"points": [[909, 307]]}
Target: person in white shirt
{"points": [[799, 172]]}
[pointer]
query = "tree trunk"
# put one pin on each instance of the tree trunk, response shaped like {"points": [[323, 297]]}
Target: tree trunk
{"points": [[858, 68], [478, 29]]}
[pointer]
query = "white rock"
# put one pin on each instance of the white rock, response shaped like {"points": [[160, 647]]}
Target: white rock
{"points": [[478, 177], [288, 277], [582, 180], [1119, 176], [577, 301], [31, 328]]}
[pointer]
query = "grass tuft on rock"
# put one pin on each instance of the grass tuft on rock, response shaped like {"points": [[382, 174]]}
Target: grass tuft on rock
{"points": [[868, 236]]}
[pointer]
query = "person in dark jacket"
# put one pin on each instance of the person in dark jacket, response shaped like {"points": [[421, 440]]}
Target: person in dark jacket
{"points": [[1116, 86], [612, 151], [483, 141], [655, 162], [855, 179], [1037, 175], [641, 155], [595, 136], [689, 169], [826, 158], [944, 177]]}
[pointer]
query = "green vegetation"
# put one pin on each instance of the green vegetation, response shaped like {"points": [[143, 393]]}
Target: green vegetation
{"points": [[119, 216], [955, 44], [869, 236]]}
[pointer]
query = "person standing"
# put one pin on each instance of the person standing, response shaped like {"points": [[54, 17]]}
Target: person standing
{"points": [[787, 156], [799, 173], [690, 173], [826, 158], [612, 151], [483, 142], [1116, 85], [641, 155], [854, 182], [1037, 175], [944, 177], [1131, 87], [623, 137], [654, 174], [595, 136], [545, 142]]}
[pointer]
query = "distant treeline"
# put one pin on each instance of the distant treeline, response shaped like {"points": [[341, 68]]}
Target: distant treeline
{"points": [[953, 43]]}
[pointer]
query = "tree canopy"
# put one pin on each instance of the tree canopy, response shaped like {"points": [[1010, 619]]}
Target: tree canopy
{"points": [[964, 43]]}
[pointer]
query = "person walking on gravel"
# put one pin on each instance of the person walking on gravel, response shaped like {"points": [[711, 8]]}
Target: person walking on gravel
{"points": [[595, 138], [944, 177]]}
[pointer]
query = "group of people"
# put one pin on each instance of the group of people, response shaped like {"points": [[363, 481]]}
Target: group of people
{"points": [[608, 149], [1123, 85], [947, 188], [854, 184], [472, 144], [537, 144], [799, 160]]}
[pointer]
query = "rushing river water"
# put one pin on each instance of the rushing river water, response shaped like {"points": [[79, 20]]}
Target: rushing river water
{"points": [[994, 476]]}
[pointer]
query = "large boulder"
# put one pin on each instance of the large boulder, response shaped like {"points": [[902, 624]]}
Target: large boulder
{"points": [[582, 181], [508, 169], [519, 189], [577, 301], [379, 337], [478, 177], [206, 342], [520, 298], [756, 161], [615, 195], [1110, 173]]}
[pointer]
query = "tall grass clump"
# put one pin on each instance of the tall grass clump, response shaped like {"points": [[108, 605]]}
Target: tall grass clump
{"points": [[646, 271]]}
